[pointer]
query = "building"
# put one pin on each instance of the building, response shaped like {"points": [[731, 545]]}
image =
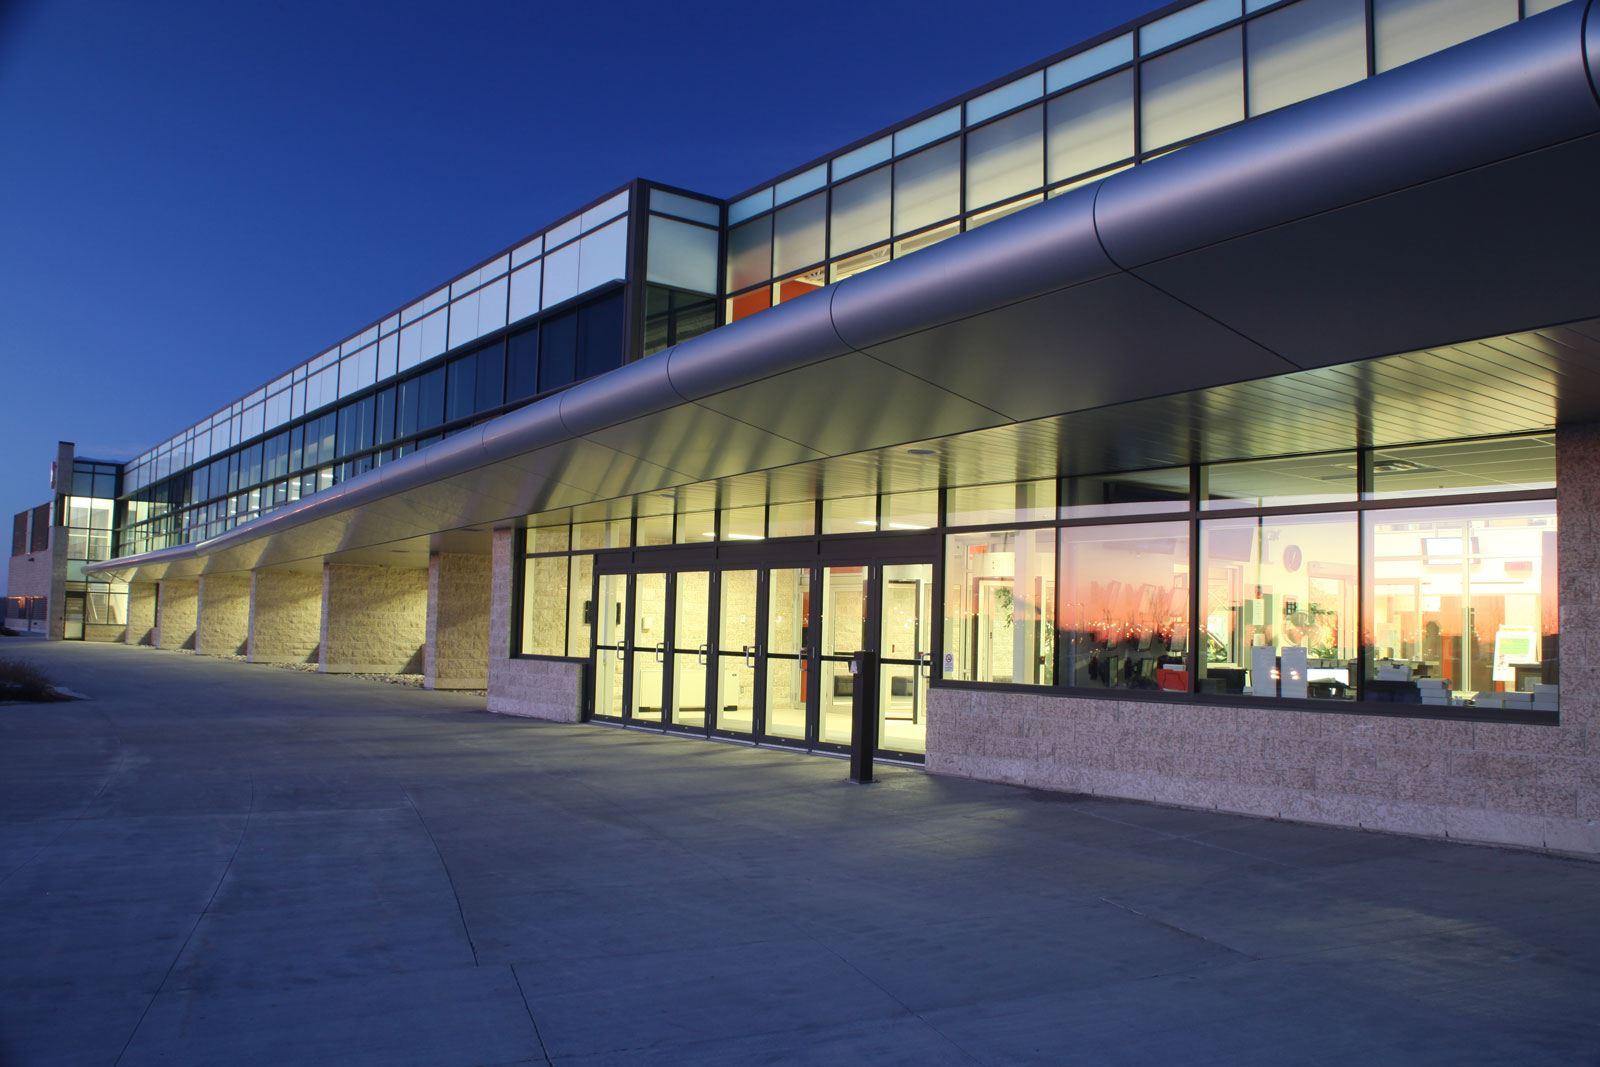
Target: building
{"points": [[52, 543], [1208, 414]]}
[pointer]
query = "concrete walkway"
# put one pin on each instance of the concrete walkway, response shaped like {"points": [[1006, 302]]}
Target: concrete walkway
{"points": [[211, 862]]}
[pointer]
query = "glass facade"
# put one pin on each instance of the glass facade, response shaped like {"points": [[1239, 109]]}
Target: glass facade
{"points": [[1070, 121], [85, 510], [1462, 605], [421, 407], [327, 419], [1125, 606], [1421, 575], [509, 333]]}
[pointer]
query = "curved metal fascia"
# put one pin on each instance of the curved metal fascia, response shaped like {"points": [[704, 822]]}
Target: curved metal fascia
{"points": [[629, 392], [1591, 44], [780, 339], [1046, 248], [529, 427], [1518, 89]]}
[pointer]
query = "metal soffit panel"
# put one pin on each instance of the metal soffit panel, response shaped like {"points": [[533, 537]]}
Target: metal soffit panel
{"points": [[1413, 262], [1509, 384], [1125, 339], [1131, 304], [1498, 386]]}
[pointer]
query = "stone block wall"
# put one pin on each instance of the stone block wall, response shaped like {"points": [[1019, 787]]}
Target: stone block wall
{"points": [[141, 613], [285, 617], [1526, 785], [549, 689], [177, 612], [457, 650], [223, 623], [374, 619], [105, 632]]}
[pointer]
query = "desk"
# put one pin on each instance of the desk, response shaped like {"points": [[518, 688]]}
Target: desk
{"points": [[1392, 692]]}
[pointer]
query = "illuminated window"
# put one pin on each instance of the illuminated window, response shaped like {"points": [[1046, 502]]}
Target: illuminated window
{"points": [[1125, 606], [1278, 606], [1462, 604], [999, 616]]}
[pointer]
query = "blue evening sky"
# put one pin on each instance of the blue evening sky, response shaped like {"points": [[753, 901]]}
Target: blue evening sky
{"points": [[197, 195]]}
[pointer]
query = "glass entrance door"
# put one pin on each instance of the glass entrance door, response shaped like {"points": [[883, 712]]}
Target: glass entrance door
{"points": [[788, 656], [610, 645], [905, 658], [73, 617], [647, 648], [763, 653], [738, 650], [843, 628], [691, 650]]}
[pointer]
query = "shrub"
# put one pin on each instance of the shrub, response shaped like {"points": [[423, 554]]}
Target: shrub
{"points": [[24, 681]]}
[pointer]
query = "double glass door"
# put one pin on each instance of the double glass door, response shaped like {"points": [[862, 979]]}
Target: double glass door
{"points": [[763, 653]]}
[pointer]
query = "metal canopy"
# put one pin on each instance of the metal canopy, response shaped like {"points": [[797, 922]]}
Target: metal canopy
{"points": [[1401, 260]]}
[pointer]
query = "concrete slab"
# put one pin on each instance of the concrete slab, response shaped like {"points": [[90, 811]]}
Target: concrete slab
{"points": [[212, 861]]}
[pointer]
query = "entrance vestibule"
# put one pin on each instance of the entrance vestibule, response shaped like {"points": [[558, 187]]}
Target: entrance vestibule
{"points": [[763, 652]]}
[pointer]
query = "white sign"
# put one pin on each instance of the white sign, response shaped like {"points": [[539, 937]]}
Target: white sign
{"points": [[1293, 674]]}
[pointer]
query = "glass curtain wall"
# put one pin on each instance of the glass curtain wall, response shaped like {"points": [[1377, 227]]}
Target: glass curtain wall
{"points": [[87, 512], [1296, 559], [1242, 581], [1071, 121], [366, 431]]}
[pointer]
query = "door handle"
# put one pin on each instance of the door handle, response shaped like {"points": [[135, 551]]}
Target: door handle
{"points": [[661, 652], [805, 651], [926, 660], [701, 655], [749, 655], [622, 653]]}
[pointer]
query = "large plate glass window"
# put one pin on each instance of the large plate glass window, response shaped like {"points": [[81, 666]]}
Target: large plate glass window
{"points": [[1125, 606], [1306, 49], [1462, 606], [1090, 127], [927, 187], [799, 234], [1192, 89], [999, 616], [750, 253], [1405, 30], [544, 606], [1278, 606], [860, 213], [1005, 158]]}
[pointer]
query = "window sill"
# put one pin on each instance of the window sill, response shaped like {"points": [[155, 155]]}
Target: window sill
{"points": [[1384, 709]]}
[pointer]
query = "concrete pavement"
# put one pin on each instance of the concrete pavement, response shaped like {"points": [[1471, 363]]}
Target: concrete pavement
{"points": [[213, 862]]}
